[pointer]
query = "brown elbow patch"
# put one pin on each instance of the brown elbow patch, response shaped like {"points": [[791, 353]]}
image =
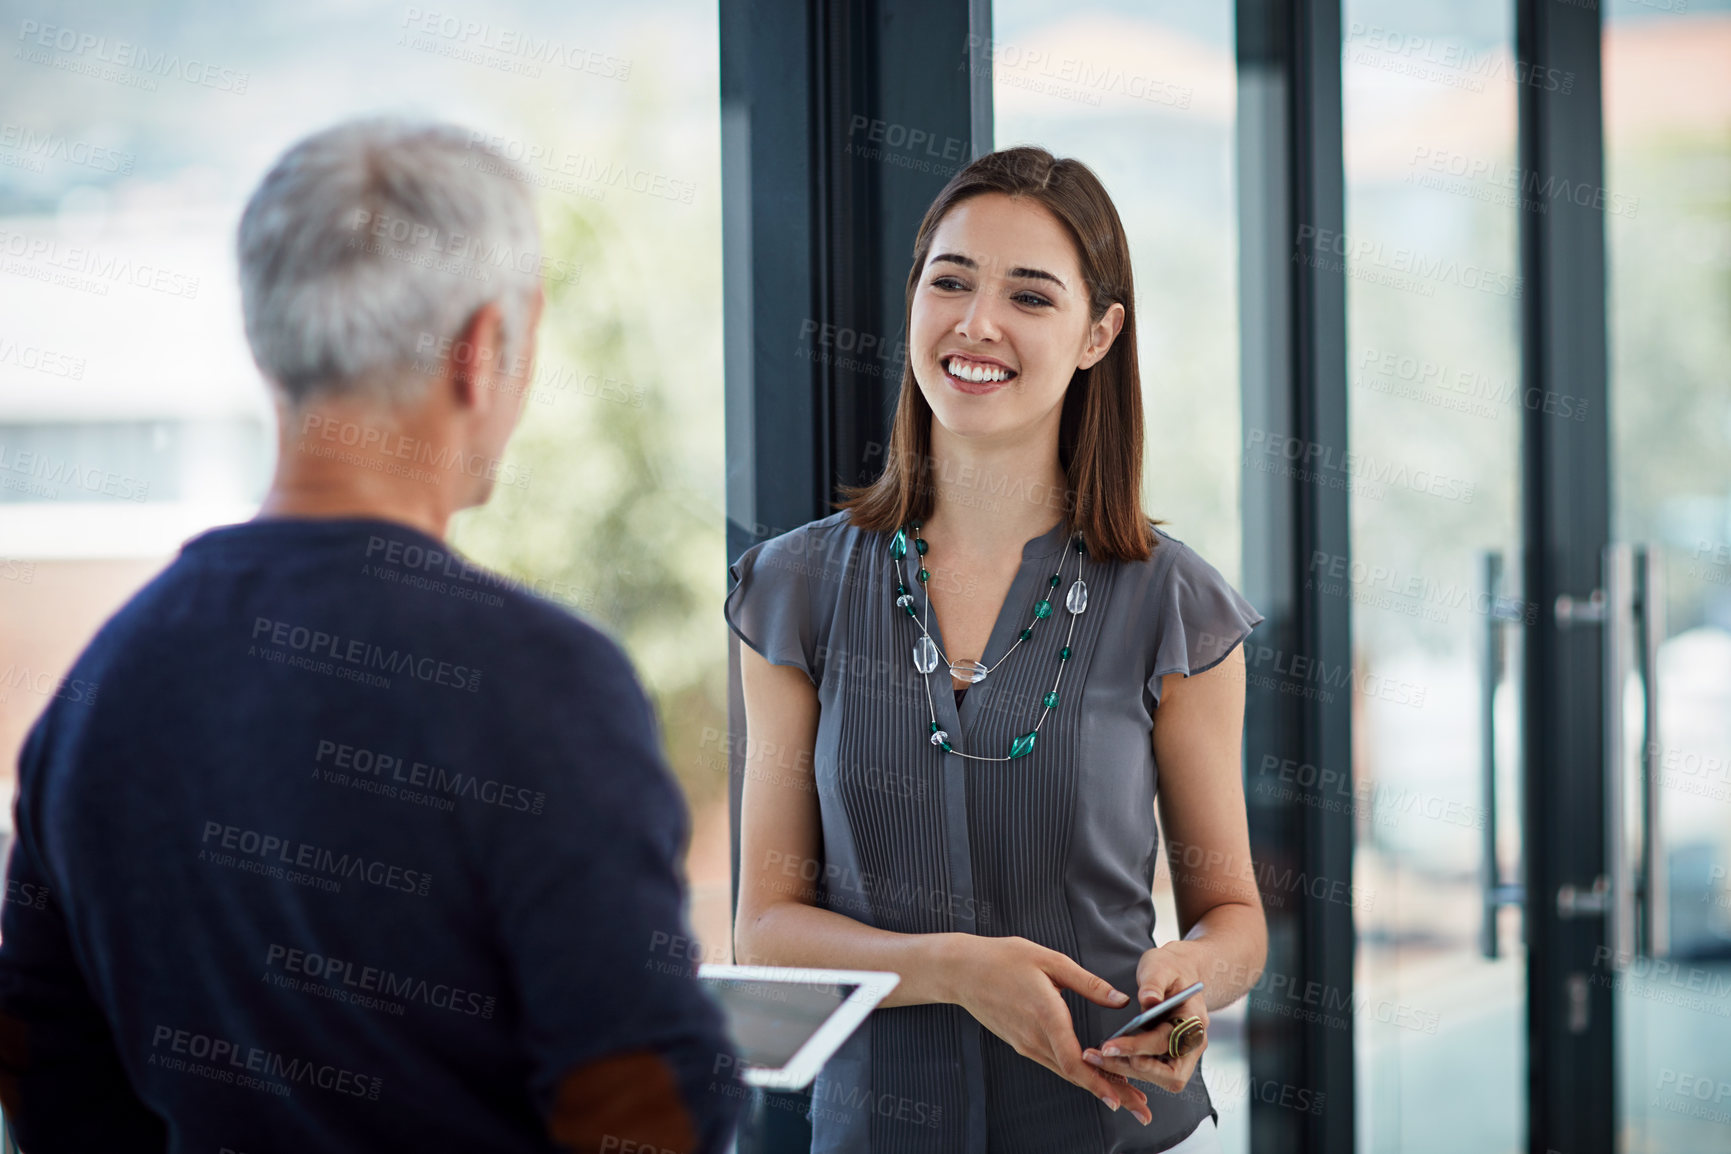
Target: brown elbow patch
{"points": [[625, 1102]]}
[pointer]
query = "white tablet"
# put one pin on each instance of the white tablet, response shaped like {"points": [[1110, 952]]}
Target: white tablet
{"points": [[787, 1022]]}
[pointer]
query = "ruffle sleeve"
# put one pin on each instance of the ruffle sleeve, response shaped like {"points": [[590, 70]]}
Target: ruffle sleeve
{"points": [[770, 604], [1199, 618]]}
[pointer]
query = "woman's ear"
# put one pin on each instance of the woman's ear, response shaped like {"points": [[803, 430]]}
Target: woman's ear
{"points": [[1101, 334]]}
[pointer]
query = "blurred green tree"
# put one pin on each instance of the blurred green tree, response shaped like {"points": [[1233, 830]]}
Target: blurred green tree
{"points": [[621, 518]]}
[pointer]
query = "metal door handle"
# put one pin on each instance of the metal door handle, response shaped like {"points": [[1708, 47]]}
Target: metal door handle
{"points": [[1629, 608], [1634, 627], [1500, 613], [1653, 885], [1617, 655]]}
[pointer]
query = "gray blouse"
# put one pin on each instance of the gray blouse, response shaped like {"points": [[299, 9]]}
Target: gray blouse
{"points": [[1058, 846]]}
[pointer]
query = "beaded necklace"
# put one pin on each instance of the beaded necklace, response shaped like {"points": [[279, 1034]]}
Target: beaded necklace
{"points": [[927, 653]]}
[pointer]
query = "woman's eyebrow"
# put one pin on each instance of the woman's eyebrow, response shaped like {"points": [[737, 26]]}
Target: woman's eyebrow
{"points": [[1036, 274], [1014, 274]]}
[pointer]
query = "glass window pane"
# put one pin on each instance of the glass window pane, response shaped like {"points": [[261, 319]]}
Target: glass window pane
{"points": [[131, 415], [1668, 235], [1434, 412]]}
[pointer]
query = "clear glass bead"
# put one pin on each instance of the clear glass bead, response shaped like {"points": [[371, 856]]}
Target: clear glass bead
{"points": [[970, 671], [939, 737], [925, 654], [1076, 600]]}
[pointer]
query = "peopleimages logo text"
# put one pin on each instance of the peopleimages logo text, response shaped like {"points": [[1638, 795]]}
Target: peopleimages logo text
{"points": [[266, 847], [354, 651], [229, 1057], [381, 767], [316, 967]]}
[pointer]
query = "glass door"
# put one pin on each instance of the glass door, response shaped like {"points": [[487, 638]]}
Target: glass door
{"points": [[1435, 407], [1668, 236]]}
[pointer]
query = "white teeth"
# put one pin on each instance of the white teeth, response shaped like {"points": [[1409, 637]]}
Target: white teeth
{"points": [[979, 374]]}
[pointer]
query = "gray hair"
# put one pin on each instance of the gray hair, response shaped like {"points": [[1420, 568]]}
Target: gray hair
{"points": [[369, 246]]}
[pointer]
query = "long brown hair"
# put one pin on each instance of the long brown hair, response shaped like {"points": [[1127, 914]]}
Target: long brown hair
{"points": [[1100, 426]]}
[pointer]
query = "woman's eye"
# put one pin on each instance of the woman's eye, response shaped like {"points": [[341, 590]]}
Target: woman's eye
{"points": [[947, 283], [1032, 300]]}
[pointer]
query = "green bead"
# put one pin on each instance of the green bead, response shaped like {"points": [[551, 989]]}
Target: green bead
{"points": [[920, 546], [901, 590], [914, 525], [925, 575], [1023, 745], [899, 545], [1081, 548], [947, 747], [934, 728], [1042, 609], [1052, 699], [1054, 581], [1027, 633], [1064, 653], [909, 610]]}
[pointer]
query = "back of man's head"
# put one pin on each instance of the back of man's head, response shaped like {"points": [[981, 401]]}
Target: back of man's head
{"points": [[370, 245]]}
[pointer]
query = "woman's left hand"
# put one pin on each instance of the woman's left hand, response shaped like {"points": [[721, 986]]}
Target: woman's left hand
{"points": [[1162, 972]]}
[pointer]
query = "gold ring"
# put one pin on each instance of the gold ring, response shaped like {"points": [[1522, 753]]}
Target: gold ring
{"points": [[1187, 1034]]}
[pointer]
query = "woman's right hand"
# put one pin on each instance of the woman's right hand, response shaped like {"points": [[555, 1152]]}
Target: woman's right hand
{"points": [[1011, 987]]}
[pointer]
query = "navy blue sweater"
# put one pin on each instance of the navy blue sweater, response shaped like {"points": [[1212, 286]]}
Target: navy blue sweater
{"points": [[335, 841]]}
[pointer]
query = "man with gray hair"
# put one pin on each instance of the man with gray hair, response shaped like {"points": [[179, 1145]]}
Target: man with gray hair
{"points": [[360, 847]]}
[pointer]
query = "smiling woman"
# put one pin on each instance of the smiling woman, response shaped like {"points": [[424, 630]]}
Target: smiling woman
{"points": [[1093, 661], [1001, 252]]}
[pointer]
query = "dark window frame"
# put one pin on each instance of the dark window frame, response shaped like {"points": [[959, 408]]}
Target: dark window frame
{"points": [[1291, 187], [1565, 526]]}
